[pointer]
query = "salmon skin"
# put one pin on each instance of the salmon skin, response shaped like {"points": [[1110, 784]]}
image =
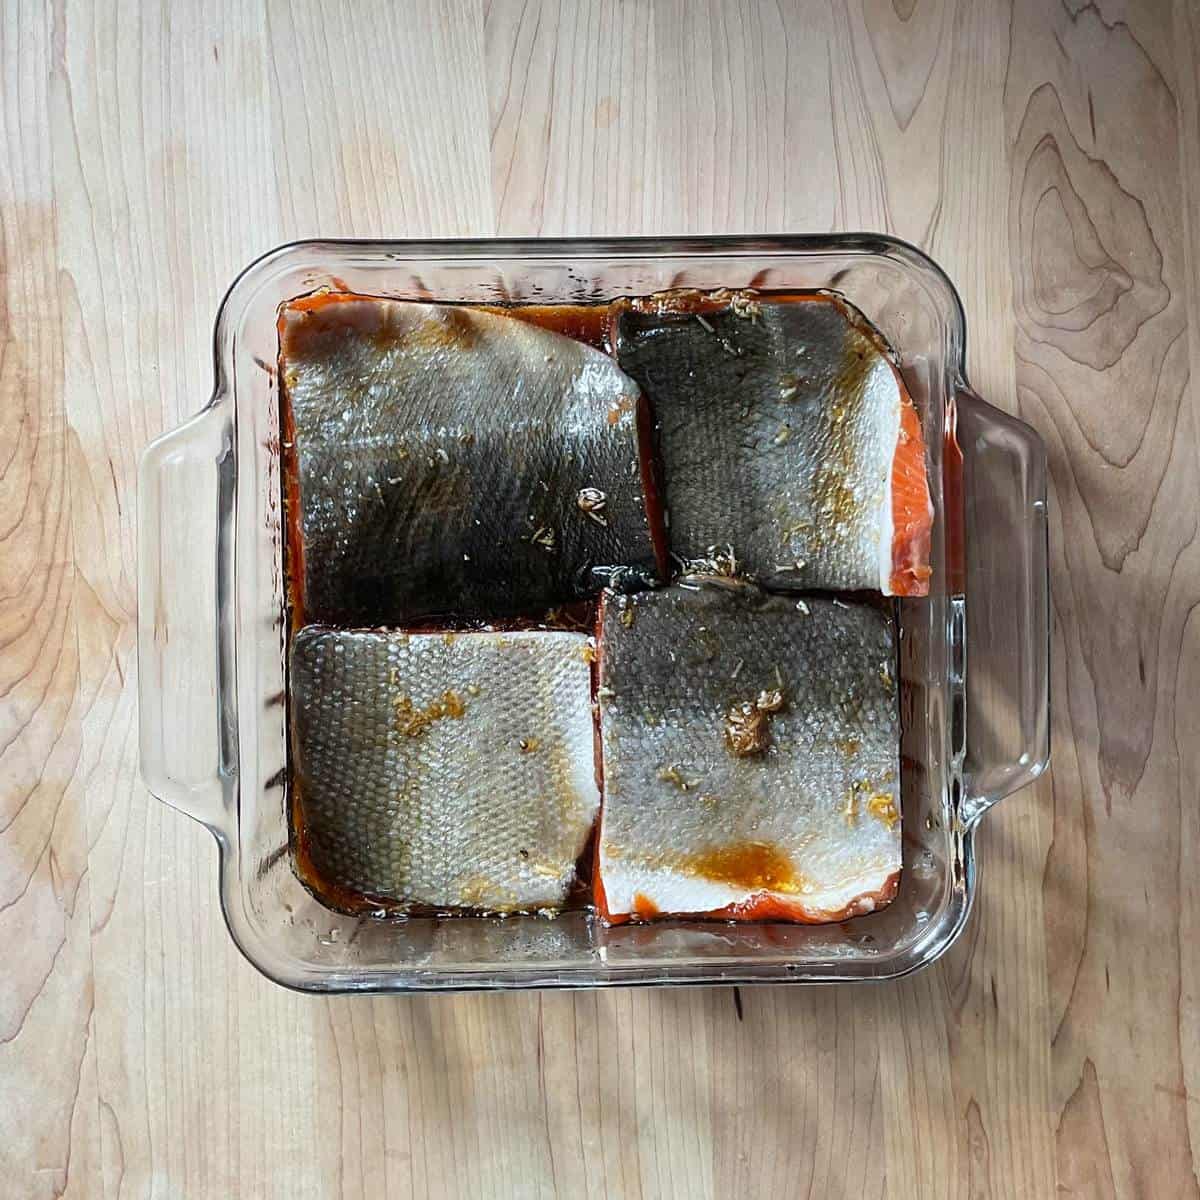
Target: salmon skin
{"points": [[785, 434], [751, 757], [453, 461], [450, 771]]}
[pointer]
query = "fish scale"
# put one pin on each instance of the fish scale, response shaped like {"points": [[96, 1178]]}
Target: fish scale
{"points": [[806, 828], [441, 452], [452, 813], [785, 432]]}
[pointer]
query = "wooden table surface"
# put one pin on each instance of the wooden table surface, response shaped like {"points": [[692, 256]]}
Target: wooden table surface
{"points": [[1046, 153]]}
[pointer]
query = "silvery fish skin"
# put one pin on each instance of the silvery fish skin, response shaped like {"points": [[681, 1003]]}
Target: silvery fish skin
{"points": [[785, 434], [445, 771], [456, 461], [805, 826]]}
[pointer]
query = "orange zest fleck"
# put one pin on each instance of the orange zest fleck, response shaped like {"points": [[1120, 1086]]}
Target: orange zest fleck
{"points": [[882, 805], [414, 722]]}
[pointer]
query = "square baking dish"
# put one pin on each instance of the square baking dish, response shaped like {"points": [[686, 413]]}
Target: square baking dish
{"points": [[212, 629]]}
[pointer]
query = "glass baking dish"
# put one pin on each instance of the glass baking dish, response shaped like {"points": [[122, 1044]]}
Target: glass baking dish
{"points": [[211, 627]]}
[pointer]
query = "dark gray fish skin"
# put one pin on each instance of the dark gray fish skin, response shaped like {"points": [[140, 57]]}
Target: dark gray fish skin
{"points": [[444, 771], [777, 425], [441, 455], [687, 824]]}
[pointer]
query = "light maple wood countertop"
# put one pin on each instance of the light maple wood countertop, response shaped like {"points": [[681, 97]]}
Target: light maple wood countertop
{"points": [[1046, 154]]}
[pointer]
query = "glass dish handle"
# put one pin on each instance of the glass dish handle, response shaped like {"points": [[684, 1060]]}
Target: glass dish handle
{"points": [[1007, 608], [184, 479]]}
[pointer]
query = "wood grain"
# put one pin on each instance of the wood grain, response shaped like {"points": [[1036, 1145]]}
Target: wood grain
{"points": [[1101, 301], [48, 1119], [1048, 154]]}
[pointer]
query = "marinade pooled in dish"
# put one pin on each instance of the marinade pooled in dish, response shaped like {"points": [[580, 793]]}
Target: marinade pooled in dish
{"points": [[448, 466]]}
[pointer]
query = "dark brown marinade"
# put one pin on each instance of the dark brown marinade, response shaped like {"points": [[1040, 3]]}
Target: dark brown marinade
{"points": [[587, 323]]}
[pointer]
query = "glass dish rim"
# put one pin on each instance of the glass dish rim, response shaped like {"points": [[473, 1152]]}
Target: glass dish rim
{"points": [[922, 951]]}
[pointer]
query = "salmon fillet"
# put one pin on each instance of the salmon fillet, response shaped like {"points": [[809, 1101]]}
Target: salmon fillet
{"points": [[456, 462], [446, 771], [751, 757], [786, 434]]}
